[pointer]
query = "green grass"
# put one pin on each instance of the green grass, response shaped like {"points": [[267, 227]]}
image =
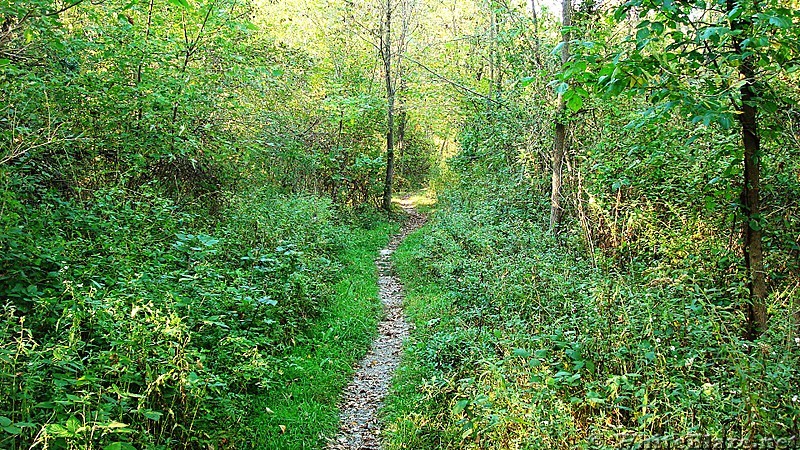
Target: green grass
{"points": [[522, 343], [303, 411], [423, 200], [426, 302]]}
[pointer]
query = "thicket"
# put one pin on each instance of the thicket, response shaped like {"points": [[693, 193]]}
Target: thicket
{"points": [[182, 190], [630, 318], [525, 340], [129, 320]]}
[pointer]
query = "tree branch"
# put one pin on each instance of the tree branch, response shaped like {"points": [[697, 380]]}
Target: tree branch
{"points": [[453, 83]]}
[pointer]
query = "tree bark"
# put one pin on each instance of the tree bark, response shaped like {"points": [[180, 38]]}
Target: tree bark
{"points": [[402, 116], [386, 53], [535, 18], [756, 309], [560, 141], [751, 209]]}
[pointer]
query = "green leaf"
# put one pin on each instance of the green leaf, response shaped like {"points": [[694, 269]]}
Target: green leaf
{"points": [[4, 421], [657, 27], [769, 106], [525, 81], [460, 406], [573, 354], [574, 377], [575, 103], [725, 121], [781, 21], [115, 424], [150, 414], [713, 32], [12, 429], [73, 425], [181, 3], [119, 446], [522, 352], [57, 430], [710, 203]]}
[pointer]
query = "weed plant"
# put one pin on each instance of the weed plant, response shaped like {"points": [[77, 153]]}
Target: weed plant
{"points": [[523, 341], [128, 322]]}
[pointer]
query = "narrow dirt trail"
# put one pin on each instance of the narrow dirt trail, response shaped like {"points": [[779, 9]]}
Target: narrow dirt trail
{"points": [[364, 395]]}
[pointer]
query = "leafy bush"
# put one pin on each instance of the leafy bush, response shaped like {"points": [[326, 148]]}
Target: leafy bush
{"points": [[524, 340], [127, 319]]}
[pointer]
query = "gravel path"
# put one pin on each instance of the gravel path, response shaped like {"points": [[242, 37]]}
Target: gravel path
{"points": [[364, 395]]}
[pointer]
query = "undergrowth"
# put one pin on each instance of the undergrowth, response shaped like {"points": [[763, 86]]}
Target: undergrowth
{"points": [[129, 322], [524, 342], [302, 411]]}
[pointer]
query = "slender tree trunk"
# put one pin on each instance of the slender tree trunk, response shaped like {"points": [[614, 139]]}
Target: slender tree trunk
{"points": [[190, 47], [535, 18], [751, 208], [139, 112], [560, 141], [402, 116], [387, 67], [175, 104], [750, 197]]}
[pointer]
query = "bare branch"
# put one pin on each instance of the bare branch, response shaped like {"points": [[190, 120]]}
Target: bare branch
{"points": [[453, 83]]}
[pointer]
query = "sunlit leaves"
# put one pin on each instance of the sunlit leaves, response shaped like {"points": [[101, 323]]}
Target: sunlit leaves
{"points": [[691, 62], [119, 446], [180, 3], [781, 21], [526, 81]]}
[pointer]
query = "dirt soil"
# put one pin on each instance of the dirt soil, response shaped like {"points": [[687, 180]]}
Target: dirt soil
{"points": [[364, 396]]}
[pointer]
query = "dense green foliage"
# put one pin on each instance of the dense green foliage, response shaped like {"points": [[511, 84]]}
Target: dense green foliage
{"points": [[629, 320], [525, 342], [185, 207], [133, 321], [187, 223]]}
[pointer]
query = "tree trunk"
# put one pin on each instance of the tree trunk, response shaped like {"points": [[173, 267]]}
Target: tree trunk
{"points": [[402, 117], [750, 197], [387, 67], [535, 18], [560, 141], [751, 208]]}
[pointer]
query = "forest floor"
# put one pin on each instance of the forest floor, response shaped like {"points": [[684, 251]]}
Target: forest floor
{"points": [[364, 396]]}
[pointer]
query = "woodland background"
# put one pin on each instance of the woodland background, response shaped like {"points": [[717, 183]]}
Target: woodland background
{"points": [[189, 208]]}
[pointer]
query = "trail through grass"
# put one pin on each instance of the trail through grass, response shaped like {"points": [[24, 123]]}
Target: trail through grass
{"points": [[303, 411]]}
